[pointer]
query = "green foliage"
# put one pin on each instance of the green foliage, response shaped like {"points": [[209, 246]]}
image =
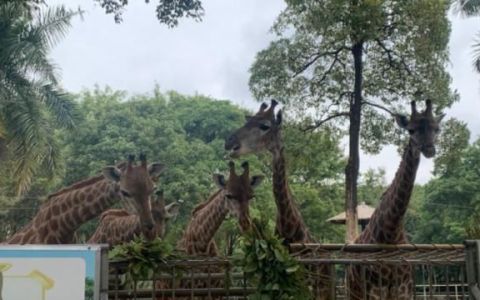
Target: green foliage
{"points": [[452, 201], [89, 288], [310, 66], [144, 257], [452, 142], [187, 134], [168, 11], [268, 265], [32, 104]]}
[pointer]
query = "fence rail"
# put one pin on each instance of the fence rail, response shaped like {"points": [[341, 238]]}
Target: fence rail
{"points": [[436, 271]]}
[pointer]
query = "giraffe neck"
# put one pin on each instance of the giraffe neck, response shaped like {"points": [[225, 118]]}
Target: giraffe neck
{"points": [[115, 227], [63, 213], [386, 224], [290, 224], [204, 224]]}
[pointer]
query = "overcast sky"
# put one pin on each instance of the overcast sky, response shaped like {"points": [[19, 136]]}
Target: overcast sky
{"points": [[213, 58]]}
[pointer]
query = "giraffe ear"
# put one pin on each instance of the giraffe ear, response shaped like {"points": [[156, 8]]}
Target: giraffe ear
{"points": [[256, 180], [155, 169], [402, 121], [279, 119], [112, 173], [172, 210], [219, 180]]}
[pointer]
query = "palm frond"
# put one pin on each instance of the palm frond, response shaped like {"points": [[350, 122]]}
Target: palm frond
{"points": [[53, 23], [61, 105], [29, 97], [476, 53], [466, 7]]}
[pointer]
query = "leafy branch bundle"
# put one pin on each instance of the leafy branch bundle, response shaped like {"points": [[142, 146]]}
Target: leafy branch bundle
{"points": [[268, 265]]}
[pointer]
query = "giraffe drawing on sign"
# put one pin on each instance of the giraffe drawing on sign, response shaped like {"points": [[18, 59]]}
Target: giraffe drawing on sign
{"points": [[263, 132], [386, 223], [64, 211], [117, 226]]}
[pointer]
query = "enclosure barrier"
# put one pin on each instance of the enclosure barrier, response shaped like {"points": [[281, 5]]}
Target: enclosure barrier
{"points": [[438, 272]]}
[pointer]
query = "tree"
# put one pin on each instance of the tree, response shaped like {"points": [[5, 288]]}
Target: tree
{"points": [[168, 11], [348, 60], [31, 102], [452, 201], [470, 8]]}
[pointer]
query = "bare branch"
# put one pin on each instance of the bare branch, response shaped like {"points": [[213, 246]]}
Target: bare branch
{"points": [[318, 56], [323, 121], [380, 107], [391, 60]]}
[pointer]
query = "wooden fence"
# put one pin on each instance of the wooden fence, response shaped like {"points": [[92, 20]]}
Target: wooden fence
{"points": [[438, 272]]}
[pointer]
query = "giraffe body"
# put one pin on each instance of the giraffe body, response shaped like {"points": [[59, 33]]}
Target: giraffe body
{"points": [[117, 226], [233, 197], [64, 211], [386, 223]]}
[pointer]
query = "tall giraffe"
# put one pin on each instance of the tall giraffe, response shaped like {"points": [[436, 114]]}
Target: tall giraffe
{"points": [[233, 197], [117, 226], [67, 209], [262, 132], [386, 223]]}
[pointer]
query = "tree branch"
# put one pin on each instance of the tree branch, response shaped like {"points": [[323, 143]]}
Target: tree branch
{"points": [[391, 60], [323, 121], [318, 56], [379, 106]]}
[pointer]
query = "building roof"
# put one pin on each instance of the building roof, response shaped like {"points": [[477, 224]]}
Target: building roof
{"points": [[364, 211]]}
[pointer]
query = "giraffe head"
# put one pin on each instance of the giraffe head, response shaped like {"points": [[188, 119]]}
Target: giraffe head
{"points": [[260, 132], [423, 128], [136, 185], [162, 214], [238, 191]]}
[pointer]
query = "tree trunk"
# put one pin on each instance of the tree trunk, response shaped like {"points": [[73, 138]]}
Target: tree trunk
{"points": [[351, 171]]}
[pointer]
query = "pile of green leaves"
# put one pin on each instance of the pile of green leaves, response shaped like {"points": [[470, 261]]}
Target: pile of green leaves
{"points": [[143, 257], [268, 265]]}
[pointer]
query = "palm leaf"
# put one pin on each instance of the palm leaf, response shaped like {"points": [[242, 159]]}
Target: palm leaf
{"points": [[466, 7], [476, 53], [29, 97]]}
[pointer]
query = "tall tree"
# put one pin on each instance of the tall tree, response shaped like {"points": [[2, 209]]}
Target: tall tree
{"points": [[31, 102], [168, 11], [338, 60]]}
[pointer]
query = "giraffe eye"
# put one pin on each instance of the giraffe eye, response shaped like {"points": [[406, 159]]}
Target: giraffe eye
{"points": [[264, 127], [411, 131], [125, 193], [229, 196]]}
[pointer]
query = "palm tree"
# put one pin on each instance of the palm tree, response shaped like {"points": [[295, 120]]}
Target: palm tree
{"points": [[470, 8], [31, 103]]}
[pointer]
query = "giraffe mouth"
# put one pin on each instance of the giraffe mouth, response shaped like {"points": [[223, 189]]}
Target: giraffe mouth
{"points": [[235, 151]]}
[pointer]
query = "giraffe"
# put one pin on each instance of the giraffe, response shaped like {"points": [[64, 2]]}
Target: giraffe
{"points": [[117, 226], [233, 197], [64, 211], [263, 132], [386, 223]]}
